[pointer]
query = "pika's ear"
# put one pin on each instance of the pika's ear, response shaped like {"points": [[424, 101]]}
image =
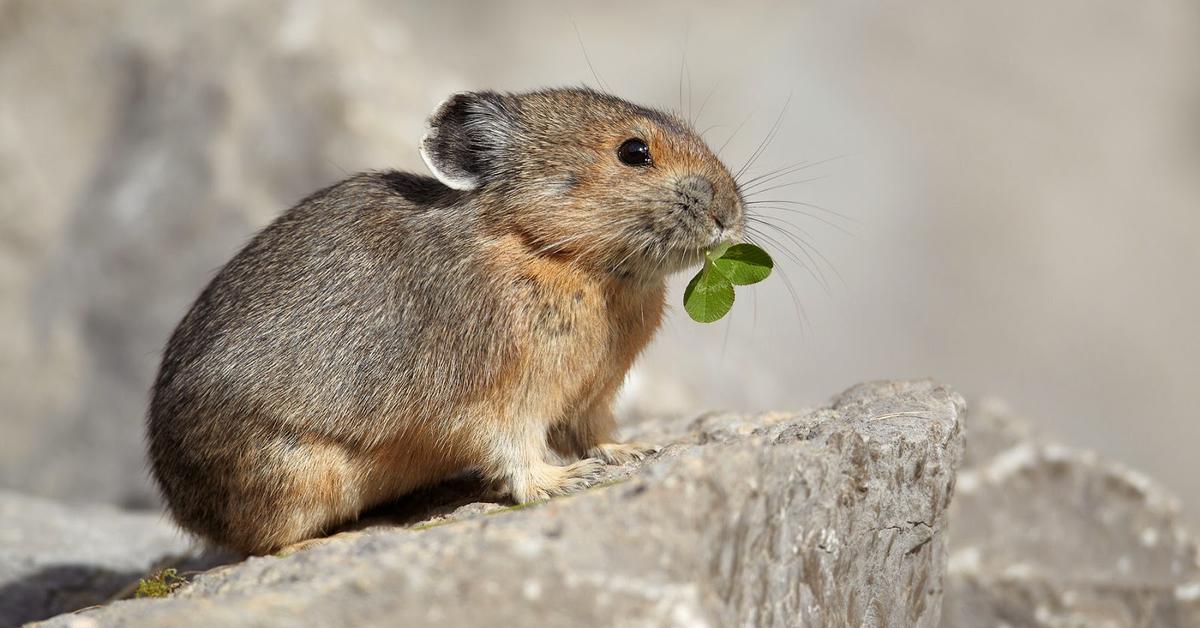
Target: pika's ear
{"points": [[466, 135]]}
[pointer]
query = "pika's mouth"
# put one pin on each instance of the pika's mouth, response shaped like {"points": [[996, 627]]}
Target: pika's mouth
{"points": [[692, 241], [723, 236], [724, 233], [720, 235], [726, 224]]}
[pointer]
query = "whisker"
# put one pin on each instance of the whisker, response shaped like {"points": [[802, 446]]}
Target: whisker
{"points": [[801, 212], [786, 185], [812, 205], [805, 245], [711, 127], [786, 170], [687, 36], [688, 70], [682, 63], [588, 60], [734, 134], [754, 309], [725, 339], [704, 104], [801, 313], [811, 267], [762, 146]]}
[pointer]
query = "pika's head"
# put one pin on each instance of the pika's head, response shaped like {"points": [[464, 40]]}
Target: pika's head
{"points": [[587, 176]]}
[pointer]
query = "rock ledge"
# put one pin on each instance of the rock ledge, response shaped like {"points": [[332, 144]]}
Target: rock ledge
{"points": [[828, 518]]}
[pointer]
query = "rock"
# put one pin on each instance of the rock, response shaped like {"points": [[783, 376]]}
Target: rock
{"points": [[1043, 535], [828, 518], [56, 558], [164, 141]]}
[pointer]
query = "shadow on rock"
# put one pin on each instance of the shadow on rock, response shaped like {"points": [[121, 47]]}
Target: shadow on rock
{"points": [[436, 504], [59, 589]]}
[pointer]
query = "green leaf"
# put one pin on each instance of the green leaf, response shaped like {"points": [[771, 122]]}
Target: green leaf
{"points": [[744, 264], [718, 250], [709, 295]]}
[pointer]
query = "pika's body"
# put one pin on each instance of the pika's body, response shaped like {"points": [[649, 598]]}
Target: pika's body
{"points": [[394, 330]]}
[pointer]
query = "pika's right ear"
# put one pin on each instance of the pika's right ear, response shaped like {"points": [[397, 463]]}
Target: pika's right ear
{"points": [[466, 134]]}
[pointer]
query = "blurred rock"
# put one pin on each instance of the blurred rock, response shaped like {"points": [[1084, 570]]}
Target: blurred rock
{"points": [[830, 518], [1043, 535], [56, 558], [1020, 182], [175, 130]]}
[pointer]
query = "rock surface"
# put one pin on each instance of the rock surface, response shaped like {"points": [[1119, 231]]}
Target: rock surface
{"points": [[1043, 535], [829, 518], [55, 558], [833, 517]]}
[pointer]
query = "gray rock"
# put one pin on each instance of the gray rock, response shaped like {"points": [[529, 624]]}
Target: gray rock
{"points": [[830, 518], [175, 132], [1043, 535], [56, 558]]}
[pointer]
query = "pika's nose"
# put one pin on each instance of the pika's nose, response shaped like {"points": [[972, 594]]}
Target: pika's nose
{"points": [[695, 193]]}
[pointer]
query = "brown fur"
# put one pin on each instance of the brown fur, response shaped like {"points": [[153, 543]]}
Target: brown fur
{"points": [[390, 332]]}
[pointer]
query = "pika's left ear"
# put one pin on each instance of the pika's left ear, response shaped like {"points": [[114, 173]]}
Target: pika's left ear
{"points": [[466, 138]]}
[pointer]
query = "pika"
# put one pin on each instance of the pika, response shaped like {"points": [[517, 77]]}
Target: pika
{"points": [[395, 330]]}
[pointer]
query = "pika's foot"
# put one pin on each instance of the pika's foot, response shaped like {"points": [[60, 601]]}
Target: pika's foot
{"points": [[300, 546], [546, 480], [622, 453], [307, 544]]}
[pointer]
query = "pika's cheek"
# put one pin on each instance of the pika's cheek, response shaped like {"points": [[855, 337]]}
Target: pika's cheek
{"points": [[559, 186]]}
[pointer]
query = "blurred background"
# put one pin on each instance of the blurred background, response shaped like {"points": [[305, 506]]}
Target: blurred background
{"points": [[1013, 194]]}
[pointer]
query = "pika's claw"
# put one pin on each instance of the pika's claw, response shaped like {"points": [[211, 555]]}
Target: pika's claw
{"points": [[622, 453], [546, 480]]}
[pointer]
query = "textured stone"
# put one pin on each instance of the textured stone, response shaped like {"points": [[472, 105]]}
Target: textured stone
{"points": [[56, 558], [1043, 535], [828, 518]]}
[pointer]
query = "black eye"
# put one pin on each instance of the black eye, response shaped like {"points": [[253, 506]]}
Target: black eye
{"points": [[634, 152]]}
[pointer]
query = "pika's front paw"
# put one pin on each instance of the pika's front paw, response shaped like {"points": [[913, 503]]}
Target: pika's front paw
{"points": [[622, 453], [546, 480], [580, 475]]}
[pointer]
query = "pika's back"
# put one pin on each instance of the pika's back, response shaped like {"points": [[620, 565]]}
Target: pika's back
{"points": [[336, 302]]}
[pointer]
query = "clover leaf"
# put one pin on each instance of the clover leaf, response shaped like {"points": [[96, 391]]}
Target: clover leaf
{"points": [[709, 295], [744, 264]]}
